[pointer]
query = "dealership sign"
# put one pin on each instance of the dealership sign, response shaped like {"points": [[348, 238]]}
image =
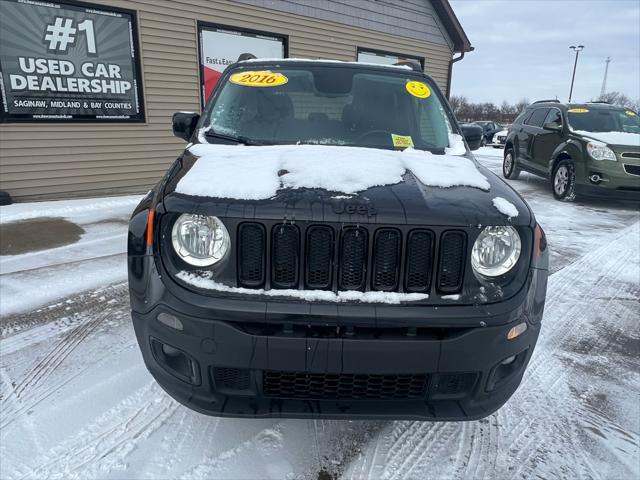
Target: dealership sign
{"points": [[69, 62], [221, 46]]}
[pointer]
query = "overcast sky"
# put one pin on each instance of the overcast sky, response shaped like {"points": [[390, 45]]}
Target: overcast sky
{"points": [[522, 48]]}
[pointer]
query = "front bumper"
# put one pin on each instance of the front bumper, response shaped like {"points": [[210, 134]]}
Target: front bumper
{"points": [[616, 182], [239, 361]]}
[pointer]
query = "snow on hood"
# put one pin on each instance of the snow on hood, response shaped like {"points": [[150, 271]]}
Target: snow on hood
{"points": [[613, 138], [206, 281], [505, 207], [258, 172]]}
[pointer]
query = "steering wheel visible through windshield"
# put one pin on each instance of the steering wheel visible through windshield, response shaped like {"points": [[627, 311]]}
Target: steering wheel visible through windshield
{"points": [[329, 105]]}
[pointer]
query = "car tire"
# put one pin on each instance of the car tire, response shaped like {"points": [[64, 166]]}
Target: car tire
{"points": [[563, 181], [510, 168], [483, 142]]}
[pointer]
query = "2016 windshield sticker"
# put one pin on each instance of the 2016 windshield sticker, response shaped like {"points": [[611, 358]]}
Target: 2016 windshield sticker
{"points": [[578, 110], [258, 79], [402, 141], [418, 89], [630, 113]]}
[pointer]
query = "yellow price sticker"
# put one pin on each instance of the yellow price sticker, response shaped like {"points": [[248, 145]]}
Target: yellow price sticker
{"points": [[578, 110], [418, 89], [402, 141], [630, 113], [258, 79]]}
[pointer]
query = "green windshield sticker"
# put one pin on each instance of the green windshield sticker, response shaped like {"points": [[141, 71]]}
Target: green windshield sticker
{"points": [[402, 141]]}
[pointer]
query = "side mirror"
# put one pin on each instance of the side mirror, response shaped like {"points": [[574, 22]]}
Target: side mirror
{"points": [[184, 124], [552, 127], [473, 135]]}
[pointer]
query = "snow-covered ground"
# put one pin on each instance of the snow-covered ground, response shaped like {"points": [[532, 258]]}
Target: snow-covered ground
{"points": [[77, 402], [96, 259]]}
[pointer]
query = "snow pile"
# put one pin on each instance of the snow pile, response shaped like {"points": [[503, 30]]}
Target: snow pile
{"points": [[456, 145], [207, 283], [505, 207], [94, 208], [451, 297], [256, 173], [613, 138]]}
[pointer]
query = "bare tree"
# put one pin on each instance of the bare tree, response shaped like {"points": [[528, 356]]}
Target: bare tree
{"points": [[620, 100]]}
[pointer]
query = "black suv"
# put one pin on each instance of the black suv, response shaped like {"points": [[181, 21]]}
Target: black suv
{"points": [[590, 149], [327, 246]]}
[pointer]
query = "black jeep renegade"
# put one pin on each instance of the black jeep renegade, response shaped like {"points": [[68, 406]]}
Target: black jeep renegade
{"points": [[327, 246]]}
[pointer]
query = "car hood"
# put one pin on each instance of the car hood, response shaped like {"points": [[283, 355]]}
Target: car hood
{"points": [[412, 198], [623, 139]]}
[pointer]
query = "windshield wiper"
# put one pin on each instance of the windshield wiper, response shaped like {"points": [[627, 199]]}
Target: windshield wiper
{"points": [[239, 139]]}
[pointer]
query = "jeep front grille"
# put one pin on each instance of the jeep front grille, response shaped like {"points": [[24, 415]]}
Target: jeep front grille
{"points": [[419, 261], [251, 255], [452, 258], [336, 257], [353, 258], [386, 259], [284, 256]]}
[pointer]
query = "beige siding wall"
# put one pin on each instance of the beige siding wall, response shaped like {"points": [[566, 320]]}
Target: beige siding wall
{"points": [[45, 160]]}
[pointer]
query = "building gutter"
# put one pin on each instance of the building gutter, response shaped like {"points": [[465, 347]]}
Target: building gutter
{"points": [[451, 62]]}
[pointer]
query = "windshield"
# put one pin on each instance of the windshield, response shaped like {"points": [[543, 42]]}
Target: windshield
{"points": [[329, 105], [603, 120]]}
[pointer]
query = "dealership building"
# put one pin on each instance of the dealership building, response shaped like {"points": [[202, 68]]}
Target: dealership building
{"points": [[88, 88]]}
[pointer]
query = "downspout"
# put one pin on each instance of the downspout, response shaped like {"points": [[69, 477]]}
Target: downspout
{"points": [[451, 62]]}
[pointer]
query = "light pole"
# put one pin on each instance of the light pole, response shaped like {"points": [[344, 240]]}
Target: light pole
{"points": [[577, 49]]}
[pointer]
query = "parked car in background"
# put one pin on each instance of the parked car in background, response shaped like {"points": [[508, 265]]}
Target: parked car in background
{"points": [[474, 135], [326, 246], [500, 138], [590, 149], [489, 129]]}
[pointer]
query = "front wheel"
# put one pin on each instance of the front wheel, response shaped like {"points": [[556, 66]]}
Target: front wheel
{"points": [[509, 168], [483, 142], [563, 181]]}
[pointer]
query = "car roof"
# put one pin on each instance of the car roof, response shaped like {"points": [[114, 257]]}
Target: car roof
{"points": [[589, 105], [324, 62]]}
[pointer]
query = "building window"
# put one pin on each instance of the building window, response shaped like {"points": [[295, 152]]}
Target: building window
{"points": [[220, 46], [69, 62], [368, 55]]}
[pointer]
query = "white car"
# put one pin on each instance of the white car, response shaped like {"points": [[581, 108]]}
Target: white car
{"points": [[499, 139]]}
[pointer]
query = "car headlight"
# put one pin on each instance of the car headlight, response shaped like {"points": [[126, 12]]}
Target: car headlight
{"points": [[599, 151], [496, 251], [200, 240]]}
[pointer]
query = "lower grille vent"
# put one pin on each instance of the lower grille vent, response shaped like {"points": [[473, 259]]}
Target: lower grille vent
{"points": [[231, 378], [321, 386]]}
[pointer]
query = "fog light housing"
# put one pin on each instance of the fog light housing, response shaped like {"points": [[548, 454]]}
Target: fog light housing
{"points": [[175, 362]]}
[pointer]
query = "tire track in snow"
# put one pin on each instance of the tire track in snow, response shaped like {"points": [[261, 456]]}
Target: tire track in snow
{"points": [[26, 392], [102, 446], [36, 384], [537, 421]]}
